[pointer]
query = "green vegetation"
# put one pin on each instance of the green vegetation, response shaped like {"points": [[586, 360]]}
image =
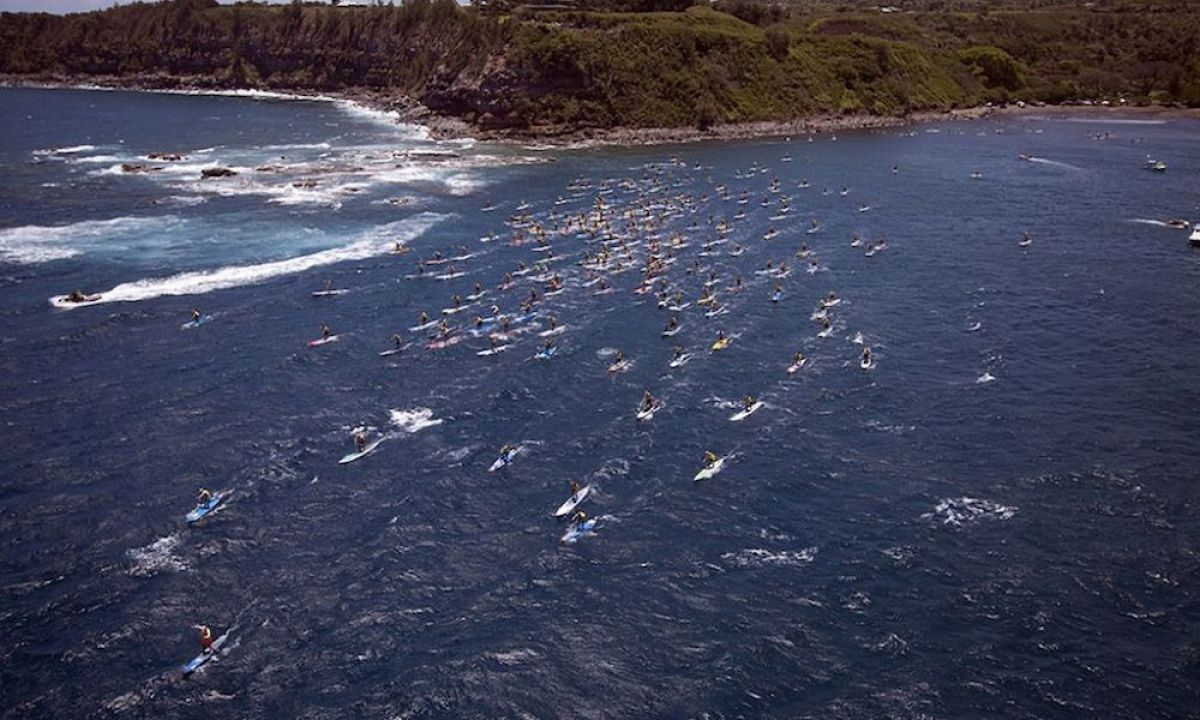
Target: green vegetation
{"points": [[632, 62]]}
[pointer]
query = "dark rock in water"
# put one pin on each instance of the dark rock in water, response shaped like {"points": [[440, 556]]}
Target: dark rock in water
{"points": [[165, 157], [306, 184], [217, 172], [130, 168]]}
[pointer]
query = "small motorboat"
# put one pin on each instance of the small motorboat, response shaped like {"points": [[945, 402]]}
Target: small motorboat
{"points": [[1194, 238]]}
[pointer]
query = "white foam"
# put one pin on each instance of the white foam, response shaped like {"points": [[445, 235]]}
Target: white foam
{"points": [[64, 151], [759, 557], [415, 419], [156, 557], [390, 118], [377, 241], [31, 244], [966, 510], [99, 159]]}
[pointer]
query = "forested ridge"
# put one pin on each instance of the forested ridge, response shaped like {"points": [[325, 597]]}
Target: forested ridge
{"points": [[632, 63]]}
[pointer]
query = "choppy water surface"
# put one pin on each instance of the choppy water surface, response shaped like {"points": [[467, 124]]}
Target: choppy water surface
{"points": [[997, 519]]}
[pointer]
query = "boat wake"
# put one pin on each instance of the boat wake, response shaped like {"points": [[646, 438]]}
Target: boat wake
{"points": [[1056, 163], [377, 241]]}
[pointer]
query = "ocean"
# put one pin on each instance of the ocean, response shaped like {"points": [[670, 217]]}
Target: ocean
{"points": [[996, 518]]}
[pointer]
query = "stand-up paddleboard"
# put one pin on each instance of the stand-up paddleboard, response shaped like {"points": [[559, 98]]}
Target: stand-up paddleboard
{"points": [[62, 301], [557, 330], [681, 360], [475, 296], [795, 367], [493, 351], [547, 353], [460, 308], [826, 332], [439, 344], [721, 344], [370, 448], [578, 530], [450, 276], [711, 470], [393, 351], [672, 332], [776, 296], [327, 293], [573, 501], [644, 414], [679, 307], [716, 311], [745, 412], [618, 367], [605, 291], [831, 303], [505, 459], [202, 659], [323, 341], [204, 510], [867, 363], [189, 325], [424, 326]]}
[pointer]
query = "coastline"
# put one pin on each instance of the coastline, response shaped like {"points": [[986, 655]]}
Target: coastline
{"points": [[404, 110]]}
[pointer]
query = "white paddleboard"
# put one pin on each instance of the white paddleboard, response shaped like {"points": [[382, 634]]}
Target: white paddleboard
{"points": [[573, 501], [681, 360], [648, 413], [745, 413], [323, 341], [710, 471], [370, 448], [504, 460]]}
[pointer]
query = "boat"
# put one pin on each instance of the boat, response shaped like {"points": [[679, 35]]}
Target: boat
{"points": [[1194, 238], [1156, 165]]}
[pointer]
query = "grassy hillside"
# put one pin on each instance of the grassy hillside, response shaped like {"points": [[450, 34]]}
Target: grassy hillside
{"points": [[694, 66]]}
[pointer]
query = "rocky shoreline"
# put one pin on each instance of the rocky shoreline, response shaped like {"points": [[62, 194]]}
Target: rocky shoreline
{"points": [[442, 127]]}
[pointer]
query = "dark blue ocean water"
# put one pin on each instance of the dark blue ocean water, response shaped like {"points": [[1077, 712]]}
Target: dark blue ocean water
{"points": [[999, 519]]}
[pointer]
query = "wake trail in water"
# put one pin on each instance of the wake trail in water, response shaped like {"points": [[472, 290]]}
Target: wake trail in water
{"points": [[377, 241], [1056, 163]]}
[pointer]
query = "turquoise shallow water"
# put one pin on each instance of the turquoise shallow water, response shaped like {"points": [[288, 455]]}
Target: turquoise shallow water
{"points": [[913, 540]]}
